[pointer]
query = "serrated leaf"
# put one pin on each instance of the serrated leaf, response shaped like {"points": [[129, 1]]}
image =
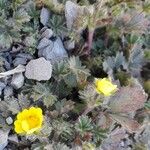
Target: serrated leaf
{"points": [[10, 105], [21, 16], [64, 106], [76, 66], [23, 101], [136, 58], [90, 96], [84, 125], [49, 100], [63, 129], [128, 99], [114, 63], [60, 146], [70, 80], [43, 92], [5, 40]]}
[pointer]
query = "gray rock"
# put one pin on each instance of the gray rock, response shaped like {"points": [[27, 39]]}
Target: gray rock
{"points": [[18, 61], [8, 91], [71, 13], [17, 80], [3, 139], [44, 43], [22, 59], [39, 69], [54, 52], [9, 120], [44, 16], [25, 55], [2, 86], [48, 33], [69, 45], [13, 138]]}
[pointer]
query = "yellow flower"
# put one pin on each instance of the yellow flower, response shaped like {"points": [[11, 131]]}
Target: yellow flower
{"points": [[29, 121], [105, 86]]}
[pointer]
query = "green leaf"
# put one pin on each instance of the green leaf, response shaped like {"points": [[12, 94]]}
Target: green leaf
{"points": [[21, 16], [99, 134], [64, 106], [5, 40], [112, 64], [84, 125], [63, 129], [43, 92], [76, 66], [136, 58], [10, 105], [70, 80], [90, 96], [49, 100], [60, 146]]}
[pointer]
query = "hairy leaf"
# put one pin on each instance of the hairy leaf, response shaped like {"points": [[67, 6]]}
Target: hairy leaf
{"points": [[84, 125], [128, 99], [114, 63]]}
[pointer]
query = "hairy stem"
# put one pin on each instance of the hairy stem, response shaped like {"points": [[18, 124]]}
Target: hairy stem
{"points": [[90, 41]]}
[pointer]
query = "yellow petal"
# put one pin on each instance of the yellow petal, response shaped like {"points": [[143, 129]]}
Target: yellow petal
{"points": [[104, 86], [25, 125], [18, 127], [29, 120]]}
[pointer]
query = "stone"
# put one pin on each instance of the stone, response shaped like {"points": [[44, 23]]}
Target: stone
{"points": [[8, 91], [44, 16], [21, 59], [48, 33], [54, 52], [44, 43], [9, 120], [13, 138], [2, 86], [17, 80], [39, 69], [69, 45], [71, 13], [3, 139], [18, 61]]}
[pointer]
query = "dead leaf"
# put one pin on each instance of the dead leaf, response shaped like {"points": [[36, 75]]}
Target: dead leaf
{"points": [[128, 99], [128, 123]]}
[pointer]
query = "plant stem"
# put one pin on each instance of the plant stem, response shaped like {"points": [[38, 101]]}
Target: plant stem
{"points": [[86, 111], [90, 40]]}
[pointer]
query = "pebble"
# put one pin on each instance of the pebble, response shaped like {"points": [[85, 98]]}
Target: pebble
{"points": [[17, 80], [53, 52], [8, 91], [44, 16], [22, 59], [39, 69], [48, 33], [14, 139], [9, 120], [3, 139], [44, 43], [2, 86], [69, 45]]}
